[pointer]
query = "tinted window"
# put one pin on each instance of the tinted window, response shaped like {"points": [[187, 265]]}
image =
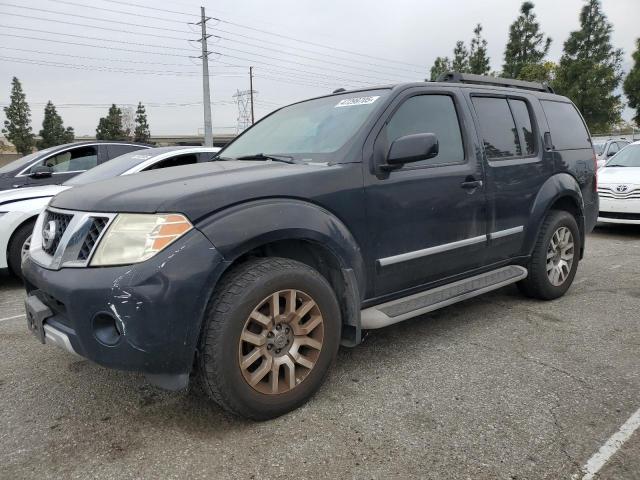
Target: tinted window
{"points": [[112, 168], [23, 162], [500, 135], [523, 122], [114, 151], [567, 128], [430, 114], [174, 161], [74, 160]]}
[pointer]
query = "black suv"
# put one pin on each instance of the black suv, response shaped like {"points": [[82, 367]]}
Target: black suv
{"points": [[56, 165], [346, 212]]}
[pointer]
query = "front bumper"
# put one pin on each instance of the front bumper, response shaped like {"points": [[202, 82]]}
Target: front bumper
{"points": [[615, 210], [157, 306]]}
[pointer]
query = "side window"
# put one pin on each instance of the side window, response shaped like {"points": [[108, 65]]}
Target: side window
{"points": [[499, 132], [568, 131], [613, 149], [74, 160], [430, 114], [114, 151], [522, 116], [176, 161]]}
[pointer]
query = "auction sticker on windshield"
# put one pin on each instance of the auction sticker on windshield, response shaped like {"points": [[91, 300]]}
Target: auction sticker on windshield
{"points": [[350, 102]]}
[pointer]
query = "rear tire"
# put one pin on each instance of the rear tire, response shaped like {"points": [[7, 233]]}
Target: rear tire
{"points": [[271, 333], [555, 258], [18, 242]]}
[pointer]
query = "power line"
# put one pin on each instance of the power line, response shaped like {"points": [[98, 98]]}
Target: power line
{"points": [[86, 17], [56, 21], [112, 10], [283, 69], [133, 4], [316, 44], [234, 40]]}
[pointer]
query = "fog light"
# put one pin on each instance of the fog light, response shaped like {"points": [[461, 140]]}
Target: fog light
{"points": [[105, 329]]}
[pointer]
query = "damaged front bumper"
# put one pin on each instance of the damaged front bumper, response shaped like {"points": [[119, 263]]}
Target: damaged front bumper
{"points": [[144, 317]]}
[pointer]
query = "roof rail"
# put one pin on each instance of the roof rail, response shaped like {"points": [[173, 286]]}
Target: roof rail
{"points": [[455, 77]]}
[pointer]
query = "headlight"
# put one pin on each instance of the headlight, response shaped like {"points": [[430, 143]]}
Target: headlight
{"points": [[135, 237]]}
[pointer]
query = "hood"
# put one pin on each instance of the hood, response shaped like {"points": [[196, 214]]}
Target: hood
{"points": [[619, 175], [196, 190], [27, 193]]}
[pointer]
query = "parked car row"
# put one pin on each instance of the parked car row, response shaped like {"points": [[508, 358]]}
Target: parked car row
{"points": [[19, 207]]}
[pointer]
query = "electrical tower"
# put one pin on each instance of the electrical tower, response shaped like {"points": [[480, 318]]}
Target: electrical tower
{"points": [[243, 99], [206, 95]]}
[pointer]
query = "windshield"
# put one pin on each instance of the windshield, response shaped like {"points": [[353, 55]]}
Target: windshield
{"points": [[599, 147], [322, 125], [110, 169], [627, 157], [22, 162]]}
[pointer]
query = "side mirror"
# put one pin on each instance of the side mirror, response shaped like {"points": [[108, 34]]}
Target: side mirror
{"points": [[411, 148], [41, 171], [610, 154]]}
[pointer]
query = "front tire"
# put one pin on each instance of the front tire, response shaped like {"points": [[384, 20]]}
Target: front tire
{"points": [[271, 334], [18, 247], [555, 258]]}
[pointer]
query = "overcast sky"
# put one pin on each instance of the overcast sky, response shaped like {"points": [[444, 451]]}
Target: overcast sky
{"points": [[311, 48]]}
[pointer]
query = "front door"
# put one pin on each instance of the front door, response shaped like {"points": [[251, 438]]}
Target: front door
{"points": [[427, 220]]}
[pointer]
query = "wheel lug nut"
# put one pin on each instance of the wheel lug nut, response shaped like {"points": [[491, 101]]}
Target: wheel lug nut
{"points": [[277, 350], [278, 327], [286, 330], [270, 334], [269, 347]]}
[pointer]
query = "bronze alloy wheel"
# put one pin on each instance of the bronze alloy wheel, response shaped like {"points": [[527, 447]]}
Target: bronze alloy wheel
{"points": [[281, 342]]}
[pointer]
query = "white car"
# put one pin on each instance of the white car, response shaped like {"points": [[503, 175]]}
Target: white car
{"points": [[20, 207], [619, 187], [607, 149]]}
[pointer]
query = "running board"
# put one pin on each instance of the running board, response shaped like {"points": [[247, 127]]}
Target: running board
{"points": [[424, 302]]}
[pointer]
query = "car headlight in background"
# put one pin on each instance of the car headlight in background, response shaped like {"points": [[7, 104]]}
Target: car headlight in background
{"points": [[136, 237]]}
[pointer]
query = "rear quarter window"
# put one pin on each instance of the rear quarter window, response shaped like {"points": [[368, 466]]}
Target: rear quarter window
{"points": [[568, 131]]}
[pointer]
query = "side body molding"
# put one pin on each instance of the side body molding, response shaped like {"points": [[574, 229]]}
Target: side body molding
{"points": [[558, 186]]}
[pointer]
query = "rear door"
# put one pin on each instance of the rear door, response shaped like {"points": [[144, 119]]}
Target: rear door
{"points": [[516, 165], [427, 219]]}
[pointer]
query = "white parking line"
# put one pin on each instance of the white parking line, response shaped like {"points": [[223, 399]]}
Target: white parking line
{"points": [[614, 444], [11, 318]]}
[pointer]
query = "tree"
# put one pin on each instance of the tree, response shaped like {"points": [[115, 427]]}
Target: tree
{"points": [[539, 72], [110, 127], [128, 121], [478, 58], [141, 133], [460, 58], [527, 45], [631, 84], [53, 132], [17, 126], [590, 69], [440, 66]]}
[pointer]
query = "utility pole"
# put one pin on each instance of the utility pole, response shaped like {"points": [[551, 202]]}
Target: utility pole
{"points": [[206, 94], [251, 90]]}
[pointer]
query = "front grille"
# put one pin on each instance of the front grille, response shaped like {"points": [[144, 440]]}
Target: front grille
{"points": [[620, 215], [61, 221], [605, 192], [96, 228]]}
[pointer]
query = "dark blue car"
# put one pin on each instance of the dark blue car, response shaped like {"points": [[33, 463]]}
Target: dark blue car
{"points": [[342, 213]]}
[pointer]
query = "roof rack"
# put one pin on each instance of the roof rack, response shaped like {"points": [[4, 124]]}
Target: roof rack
{"points": [[455, 77]]}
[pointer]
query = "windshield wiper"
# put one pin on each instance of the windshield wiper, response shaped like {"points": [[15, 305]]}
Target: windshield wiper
{"points": [[615, 165], [263, 156]]}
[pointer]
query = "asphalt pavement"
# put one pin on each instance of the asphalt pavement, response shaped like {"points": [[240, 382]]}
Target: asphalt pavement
{"points": [[496, 387]]}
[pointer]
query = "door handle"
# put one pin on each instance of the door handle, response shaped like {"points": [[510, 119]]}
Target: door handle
{"points": [[471, 184]]}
